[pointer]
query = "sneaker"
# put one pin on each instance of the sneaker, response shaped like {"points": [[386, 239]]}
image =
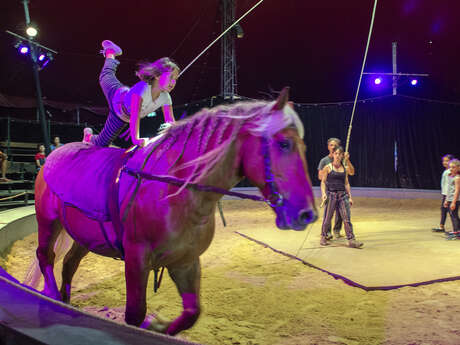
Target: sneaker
{"points": [[337, 235], [438, 230], [329, 236], [87, 134], [109, 45], [4, 179], [355, 244], [323, 241]]}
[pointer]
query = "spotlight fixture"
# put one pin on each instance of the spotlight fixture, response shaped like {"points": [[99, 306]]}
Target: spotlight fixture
{"points": [[45, 59], [23, 49], [414, 82], [378, 81], [239, 31], [31, 31]]}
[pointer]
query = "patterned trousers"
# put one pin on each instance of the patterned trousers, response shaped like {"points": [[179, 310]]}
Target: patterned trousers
{"points": [[340, 202], [109, 84], [454, 216]]}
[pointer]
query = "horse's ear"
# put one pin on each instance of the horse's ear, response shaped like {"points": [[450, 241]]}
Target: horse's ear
{"points": [[282, 99]]}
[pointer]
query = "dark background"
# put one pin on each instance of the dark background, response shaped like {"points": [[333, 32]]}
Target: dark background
{"points": [[315, 47]]}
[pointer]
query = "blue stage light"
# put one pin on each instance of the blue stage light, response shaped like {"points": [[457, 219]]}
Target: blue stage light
{"points": [[23, 49]]}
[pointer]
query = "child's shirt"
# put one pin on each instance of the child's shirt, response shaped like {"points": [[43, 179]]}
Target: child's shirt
{"points": [[123, 97], [444, 181], [451, 187], [40, 157]]}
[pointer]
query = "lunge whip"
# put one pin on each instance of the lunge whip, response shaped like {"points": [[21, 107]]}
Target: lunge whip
{"points": [[223, 33], [360, 77]]}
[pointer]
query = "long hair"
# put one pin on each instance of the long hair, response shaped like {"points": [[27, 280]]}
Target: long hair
{"points": [[147, 71]]}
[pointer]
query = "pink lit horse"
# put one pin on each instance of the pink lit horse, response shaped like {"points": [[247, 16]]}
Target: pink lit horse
{"points": [[166, 225]]}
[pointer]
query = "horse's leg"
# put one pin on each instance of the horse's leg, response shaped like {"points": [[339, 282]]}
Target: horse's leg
{"points": [[70, 265], [187, 280], [136, 275], [48, 231]]}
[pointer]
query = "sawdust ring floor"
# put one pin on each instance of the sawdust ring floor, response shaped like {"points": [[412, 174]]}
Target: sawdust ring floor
{"points": [[252, 295]]}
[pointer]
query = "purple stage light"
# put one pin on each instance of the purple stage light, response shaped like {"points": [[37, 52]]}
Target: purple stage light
{"points": [[23, 49], [41, 57], [377, 81], [414, 82]]}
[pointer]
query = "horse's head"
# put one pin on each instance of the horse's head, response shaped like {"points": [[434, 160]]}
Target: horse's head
{"points": [[273, 159]]}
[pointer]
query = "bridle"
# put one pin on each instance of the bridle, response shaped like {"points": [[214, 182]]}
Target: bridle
{"points": [[274, 199]]}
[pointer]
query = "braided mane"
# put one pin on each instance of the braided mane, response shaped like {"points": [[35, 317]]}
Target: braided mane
{"points": [[216, 129]]}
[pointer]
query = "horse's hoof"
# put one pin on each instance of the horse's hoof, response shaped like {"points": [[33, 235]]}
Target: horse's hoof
{"points": [[52, 295], [155, 323]]}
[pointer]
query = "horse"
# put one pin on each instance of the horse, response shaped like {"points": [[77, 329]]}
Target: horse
{"points": [[164, 225]]}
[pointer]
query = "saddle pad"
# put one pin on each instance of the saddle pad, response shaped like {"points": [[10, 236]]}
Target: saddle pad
{"points": [[81, 174]]}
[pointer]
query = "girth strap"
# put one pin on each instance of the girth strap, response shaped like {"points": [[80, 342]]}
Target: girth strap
{"points": [[114, 202]]}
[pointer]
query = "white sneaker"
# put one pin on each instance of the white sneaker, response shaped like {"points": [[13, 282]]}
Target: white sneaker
{"points": [[112, 46]]}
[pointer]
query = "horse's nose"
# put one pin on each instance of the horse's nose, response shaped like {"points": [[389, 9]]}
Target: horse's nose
{"points": [[307, 216]]}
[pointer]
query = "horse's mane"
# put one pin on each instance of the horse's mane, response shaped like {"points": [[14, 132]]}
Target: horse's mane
{"points": [[223, 123]]}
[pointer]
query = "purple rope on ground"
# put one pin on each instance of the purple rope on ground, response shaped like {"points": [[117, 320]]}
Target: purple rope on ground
{"points": [[345, 279]]}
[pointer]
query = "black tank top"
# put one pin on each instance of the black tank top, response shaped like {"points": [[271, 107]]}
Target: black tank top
{"points": [[335, 181]]}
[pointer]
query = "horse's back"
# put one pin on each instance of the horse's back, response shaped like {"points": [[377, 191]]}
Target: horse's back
{"points": [[81, 175]]}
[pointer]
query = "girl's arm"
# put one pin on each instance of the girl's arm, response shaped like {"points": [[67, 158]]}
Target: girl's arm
{"points": [[348, 166], [348, 189], [168, 113], [37, 162], [134, 119], [324, 174], [456, 193]]}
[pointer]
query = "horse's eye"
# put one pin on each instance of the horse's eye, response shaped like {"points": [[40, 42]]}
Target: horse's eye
{"points": [[285, 145]]}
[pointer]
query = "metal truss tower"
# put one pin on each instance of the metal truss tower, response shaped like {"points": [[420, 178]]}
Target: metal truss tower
{"points": [[228, 59]]}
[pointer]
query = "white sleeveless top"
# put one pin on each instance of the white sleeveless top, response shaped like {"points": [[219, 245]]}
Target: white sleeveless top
{"points": [[444, 181], [123, 96], [451, 187]]}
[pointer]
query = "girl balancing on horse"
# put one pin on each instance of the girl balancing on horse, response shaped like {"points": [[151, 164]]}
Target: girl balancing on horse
{"points": [[336, 189], [129, 105]]}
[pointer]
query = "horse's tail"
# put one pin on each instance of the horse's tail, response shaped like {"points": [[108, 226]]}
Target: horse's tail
{"points": [[61, 247]]}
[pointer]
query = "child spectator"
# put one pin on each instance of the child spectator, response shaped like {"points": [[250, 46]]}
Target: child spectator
{"points": [[56, 143], [40, 156], [453, 195], [3, 166], [445, 163]]}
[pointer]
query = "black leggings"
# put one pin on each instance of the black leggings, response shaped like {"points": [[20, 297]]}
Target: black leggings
{"points": [[444, 211]]}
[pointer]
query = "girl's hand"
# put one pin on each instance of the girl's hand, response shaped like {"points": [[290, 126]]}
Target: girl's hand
{"points": [[139, 142], [452, 205], [164, 126], [324, 197], [351, 201], [445, 204]]}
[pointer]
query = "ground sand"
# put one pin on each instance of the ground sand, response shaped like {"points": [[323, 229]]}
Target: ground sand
{"points": [[252, 295]]}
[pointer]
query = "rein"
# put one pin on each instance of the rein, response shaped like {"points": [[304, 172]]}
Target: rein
{"points": [[275, 199], [179, 182]]}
